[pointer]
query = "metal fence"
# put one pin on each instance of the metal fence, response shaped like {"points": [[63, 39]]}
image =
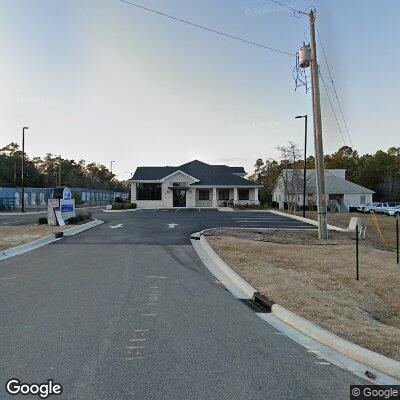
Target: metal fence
{"points": [[36, 198]]}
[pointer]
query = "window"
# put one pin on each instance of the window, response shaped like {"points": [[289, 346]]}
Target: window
{"points": [[179, 184], [148, 191], [204, 195], [362, 200], [243, 194], [223, 194]]}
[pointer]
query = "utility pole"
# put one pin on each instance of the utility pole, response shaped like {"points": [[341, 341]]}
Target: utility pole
{"points": [[319, 152], [22, 169]]}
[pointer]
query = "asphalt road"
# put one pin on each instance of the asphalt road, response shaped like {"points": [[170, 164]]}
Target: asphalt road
{"points": [[128, 311], [28, 218]]}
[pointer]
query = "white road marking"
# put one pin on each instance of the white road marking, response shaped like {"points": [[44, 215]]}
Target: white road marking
{"points": [[323, 363], [133, 358], [155, 276], [149, 315], [140, 330], [135, 347], [137, 340], [116, 226], [172, 225]]}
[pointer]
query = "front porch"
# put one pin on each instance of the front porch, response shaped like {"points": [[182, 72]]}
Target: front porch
{"points": [[225, 197]]}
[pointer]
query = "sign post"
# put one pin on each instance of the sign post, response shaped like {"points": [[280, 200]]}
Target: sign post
{"points": [[61, 206]]}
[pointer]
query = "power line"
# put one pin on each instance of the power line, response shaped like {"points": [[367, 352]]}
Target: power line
{"points": [[287, 6], [330, 102], [334, 87], [207, 28]]}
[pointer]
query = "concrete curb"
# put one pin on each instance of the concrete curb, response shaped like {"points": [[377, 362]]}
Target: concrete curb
{"points": [[23, 248], [84, 227], [229, 276], [361, 354], [307, 220]]}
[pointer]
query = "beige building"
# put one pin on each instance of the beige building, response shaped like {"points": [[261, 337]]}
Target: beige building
{"points": [[192, 185]]}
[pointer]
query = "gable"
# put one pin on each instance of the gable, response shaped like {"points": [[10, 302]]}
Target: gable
{"points": [[179, 176]]}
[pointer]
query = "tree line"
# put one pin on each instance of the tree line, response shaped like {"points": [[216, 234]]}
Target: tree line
{"points": [[43, 172], [379, 172]]}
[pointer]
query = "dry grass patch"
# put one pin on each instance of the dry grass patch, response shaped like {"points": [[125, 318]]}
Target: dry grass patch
{"points": [[316, 279], [11, 236], [386, 223]]}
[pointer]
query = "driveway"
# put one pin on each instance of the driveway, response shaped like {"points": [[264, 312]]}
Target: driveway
{"points": [[128, 311]]}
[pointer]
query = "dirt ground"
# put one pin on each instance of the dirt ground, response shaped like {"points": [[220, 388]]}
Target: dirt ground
{"points": [[387, 225], [316, 280], [11, 236]]}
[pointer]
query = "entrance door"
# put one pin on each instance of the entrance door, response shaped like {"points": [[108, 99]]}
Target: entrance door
{"points": [[179, 198]]}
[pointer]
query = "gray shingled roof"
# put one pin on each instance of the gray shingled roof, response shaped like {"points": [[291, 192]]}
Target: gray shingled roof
{"points": [[206, 173], [333, 184]]}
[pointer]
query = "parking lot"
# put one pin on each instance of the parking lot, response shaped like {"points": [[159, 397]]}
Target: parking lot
{"points": [[174, 226]]}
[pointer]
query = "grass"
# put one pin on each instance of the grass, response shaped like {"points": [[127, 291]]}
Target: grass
{"points": [[316, 280], [11, 236], [386, 223]]}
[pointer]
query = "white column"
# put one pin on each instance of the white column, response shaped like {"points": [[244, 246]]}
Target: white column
{"points": [[256, 195], [133, 192], [214, 197], [235, 195]]}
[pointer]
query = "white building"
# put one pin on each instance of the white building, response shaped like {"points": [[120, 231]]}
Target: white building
{"points": [[194, 184], [340, 193]]}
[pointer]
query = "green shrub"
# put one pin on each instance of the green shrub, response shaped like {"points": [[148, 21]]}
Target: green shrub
{"points": [[42, 221], [77, 198], [79, 218], [87, 215], [123, 206], [247, 206], [72, 221]]}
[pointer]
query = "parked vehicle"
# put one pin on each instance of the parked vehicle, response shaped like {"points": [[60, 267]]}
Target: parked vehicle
{"points": [[366, 207], [381, 208], [394, 211]]}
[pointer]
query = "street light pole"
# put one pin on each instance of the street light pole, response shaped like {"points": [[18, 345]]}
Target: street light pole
{"points": [[59, 169], [22, 168], [305, 162], [111, 165]]}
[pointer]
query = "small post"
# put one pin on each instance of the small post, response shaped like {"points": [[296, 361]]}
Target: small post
{"points": [[397, 240], [357, 274]]}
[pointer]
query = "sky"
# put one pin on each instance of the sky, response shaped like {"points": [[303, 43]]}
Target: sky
{"points": [[101, 80]]}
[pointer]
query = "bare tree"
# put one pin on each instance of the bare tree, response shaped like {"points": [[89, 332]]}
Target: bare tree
{"points": [[291, 175]]}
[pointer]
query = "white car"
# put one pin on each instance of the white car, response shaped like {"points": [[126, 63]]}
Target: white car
{"points": [[366, 207], [381, 208], [394, 211]]}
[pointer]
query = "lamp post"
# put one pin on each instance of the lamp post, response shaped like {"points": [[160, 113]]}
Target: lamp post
{"points": [[111, 165], [305, 162], [22, 168], [59, 169]]}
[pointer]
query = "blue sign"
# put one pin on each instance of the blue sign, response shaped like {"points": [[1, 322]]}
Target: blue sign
{"points": [[67, 208]]}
